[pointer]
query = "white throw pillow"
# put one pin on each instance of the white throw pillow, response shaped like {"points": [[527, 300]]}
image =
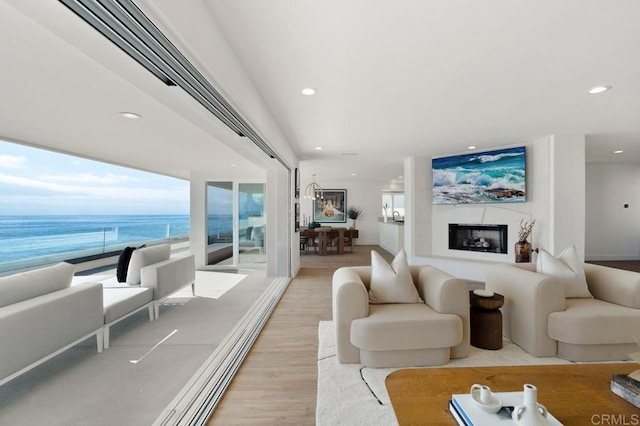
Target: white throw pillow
{"points": [[568, 268], [391, 283], [146, 256]]}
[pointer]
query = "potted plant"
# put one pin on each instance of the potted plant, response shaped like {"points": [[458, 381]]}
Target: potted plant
{"points": [[354, 213]]}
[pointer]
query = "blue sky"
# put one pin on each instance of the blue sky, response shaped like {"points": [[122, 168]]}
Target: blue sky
{"points": [[36, 181]]}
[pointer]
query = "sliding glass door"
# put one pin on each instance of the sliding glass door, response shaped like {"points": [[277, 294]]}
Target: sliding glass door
{"points": [[219, 221], [251, 223]]}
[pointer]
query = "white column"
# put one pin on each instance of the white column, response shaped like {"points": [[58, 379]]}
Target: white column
{"points": [[198, 219], [236, 223], [568, 193], [417, 199], [279, 226]]}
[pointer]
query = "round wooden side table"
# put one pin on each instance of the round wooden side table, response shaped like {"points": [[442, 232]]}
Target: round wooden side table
{"points": [[486, 321]]}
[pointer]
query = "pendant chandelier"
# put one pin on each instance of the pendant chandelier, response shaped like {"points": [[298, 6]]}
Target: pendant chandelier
{"points": [[314, 190]]}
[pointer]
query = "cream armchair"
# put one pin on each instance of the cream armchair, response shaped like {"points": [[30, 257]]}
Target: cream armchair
{"points": [[401, 335], [540, 319]]}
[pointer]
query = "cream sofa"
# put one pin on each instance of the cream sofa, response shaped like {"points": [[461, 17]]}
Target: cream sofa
{"points": [[399, 335], [42, 315], [538, 317]]}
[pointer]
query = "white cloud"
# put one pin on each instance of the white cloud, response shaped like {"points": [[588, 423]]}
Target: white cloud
{"points": [[98, 192], [32, 183], [12, 161], [87, 178]]}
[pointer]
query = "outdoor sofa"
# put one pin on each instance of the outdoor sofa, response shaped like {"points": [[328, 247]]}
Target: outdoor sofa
{"points": [[46, 311], [42, 315], [152, 276]]}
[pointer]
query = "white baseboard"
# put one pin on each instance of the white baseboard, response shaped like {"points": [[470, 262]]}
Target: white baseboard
{"points": [[595, 258]]}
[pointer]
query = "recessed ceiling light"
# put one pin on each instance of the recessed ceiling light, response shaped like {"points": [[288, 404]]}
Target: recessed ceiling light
{"points": [[319, 148], [131, 115], [598, 89], [233, 165], [308, 91], [354, 174], [472, 147], [400, 177], [618, 151]]}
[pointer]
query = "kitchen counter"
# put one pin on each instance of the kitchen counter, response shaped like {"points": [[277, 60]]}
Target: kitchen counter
{"points": [[391, 235]]}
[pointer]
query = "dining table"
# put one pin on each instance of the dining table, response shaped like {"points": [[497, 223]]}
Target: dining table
{"points": [[324, 235]]}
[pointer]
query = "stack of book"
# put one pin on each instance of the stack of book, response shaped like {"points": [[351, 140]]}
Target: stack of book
{"points": [[627, 388], [467, 413]]}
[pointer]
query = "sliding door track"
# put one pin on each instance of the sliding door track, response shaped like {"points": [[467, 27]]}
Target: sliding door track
{"points": [[195, 403]]}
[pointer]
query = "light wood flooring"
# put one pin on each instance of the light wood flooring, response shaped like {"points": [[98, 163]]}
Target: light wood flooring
{"points": [[276, 384]]}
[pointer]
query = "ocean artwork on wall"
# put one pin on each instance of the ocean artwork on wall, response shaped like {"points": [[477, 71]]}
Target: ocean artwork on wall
{"points": [[481, 177]]}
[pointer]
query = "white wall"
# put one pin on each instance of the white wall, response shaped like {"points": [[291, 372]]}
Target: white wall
{"points": [[613, 232], [555, 199], [365, 195]]}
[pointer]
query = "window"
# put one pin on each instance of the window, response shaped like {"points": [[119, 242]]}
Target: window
{"points": [[394, 202], [57, 207]]}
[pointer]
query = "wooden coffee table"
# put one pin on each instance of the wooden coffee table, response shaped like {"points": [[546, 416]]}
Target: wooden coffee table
{"points": [[576, 394]]}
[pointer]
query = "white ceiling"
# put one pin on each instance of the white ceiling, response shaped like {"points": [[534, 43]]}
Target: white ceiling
{"points": [[394, 79]]}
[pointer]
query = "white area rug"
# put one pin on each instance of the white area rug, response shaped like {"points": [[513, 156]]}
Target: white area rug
{"points": [[210, 285], [352, 394]]}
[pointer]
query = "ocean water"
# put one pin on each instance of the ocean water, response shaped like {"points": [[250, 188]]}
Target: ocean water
{"points": [[58, 237], [498, 176]]}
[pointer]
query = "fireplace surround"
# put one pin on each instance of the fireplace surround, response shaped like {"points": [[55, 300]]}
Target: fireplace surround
{"points": [[481, 238]]}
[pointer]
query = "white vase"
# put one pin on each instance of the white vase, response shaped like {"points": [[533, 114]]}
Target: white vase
{"points": [[530, 413]]}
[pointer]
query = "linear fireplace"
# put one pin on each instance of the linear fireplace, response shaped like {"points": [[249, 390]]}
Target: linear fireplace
{"points": [[483, 238]]}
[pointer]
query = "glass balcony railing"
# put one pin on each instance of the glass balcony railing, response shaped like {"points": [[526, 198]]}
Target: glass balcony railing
{"points": [[21, 250]]}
